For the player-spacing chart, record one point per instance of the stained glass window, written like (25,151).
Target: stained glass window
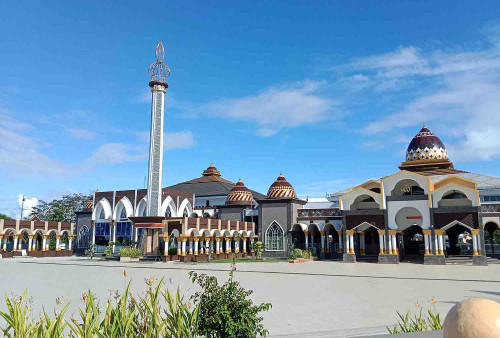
(275,238)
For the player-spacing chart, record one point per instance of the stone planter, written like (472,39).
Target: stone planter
(36,253)
(63,253)
(201,258)
(170,258)
(129,259)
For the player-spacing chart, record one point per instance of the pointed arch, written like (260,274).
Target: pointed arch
(102,206)
(141,207)
(363,226)
(168,205)
(185,205)
(123,204)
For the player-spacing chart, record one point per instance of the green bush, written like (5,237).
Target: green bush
(297,252)
(130,252)
(125,317)
(172,251)
(293,255)
(306,254)
(419,322)
(226,310)
(259,249)
(108,252)
(52,245)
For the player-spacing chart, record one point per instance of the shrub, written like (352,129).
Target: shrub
(306,254)
(226,310)
(418,323)
(259,249)
(130,252)
(293,255)
(172,251)
(90,251)
(52,245)
(297,252)
(108,252)
(125,317)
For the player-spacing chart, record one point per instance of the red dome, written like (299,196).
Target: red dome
(239,195)
(281,188)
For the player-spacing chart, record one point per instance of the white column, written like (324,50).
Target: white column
(33,248)
(190,246)
(30,242)
(245,245)
(93,235)
(70,240)
(307,239)
(474,245)
(389,249)
(394,245)
(436,243)
(351,243)
(347,249)
(195,246)
(382,244)
(217,244)
(440,244)
(236,245)
(44,244)
(322,243)
(183,250)
(426,243)
(15,244)
(165,250)
(58,241)
(340,242)
(5,244)
(113,228)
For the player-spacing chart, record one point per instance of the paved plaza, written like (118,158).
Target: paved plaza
(316,299)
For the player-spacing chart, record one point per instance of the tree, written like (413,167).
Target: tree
(227,310)
(3,216)
(62,210)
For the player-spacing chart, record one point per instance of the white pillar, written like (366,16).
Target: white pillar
(93,234)
(183,250)
(15,244)
(307,239)
(394,245)
(190,246)
(5,243)
(347,249)
(440,244)
(58,243)
(236,245)
(340,242)
(30,242)
(322,243)
(217,246)
(436,243)
(382,244)
(351,243)
(44,244)
(474,245)
(245,245)
(70,240)
(196,246)
(426,243)
(113,228)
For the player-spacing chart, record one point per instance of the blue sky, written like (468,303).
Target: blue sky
(329,93)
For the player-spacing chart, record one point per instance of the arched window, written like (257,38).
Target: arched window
(123,213)
(84,237)
(454,195)
(102,215)
(275,238)
(168,212)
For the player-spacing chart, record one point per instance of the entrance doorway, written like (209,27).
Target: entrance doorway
(413,244)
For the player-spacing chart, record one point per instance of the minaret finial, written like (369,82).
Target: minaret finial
(160,52)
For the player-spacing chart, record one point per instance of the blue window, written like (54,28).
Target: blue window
(123,229)
(102,229)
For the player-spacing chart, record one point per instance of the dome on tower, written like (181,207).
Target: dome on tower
(211,171)
(281,188)
(239,195)
(426,146)
(425,152)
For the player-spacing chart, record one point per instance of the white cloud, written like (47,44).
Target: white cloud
(178,140)
(116,153)
(278,107)
(29,203)
(455,93)
(81,133)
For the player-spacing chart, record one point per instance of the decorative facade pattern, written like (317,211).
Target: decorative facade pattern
(426,146)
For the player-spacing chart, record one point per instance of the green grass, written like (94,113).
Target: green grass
(248,260)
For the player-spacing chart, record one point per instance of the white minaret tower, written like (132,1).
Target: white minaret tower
(159,72)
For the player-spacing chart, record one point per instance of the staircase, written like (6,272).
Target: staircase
(368,258)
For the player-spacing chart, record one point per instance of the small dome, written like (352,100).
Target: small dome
(426,146)
(281,188)
(211,171)
(239,195)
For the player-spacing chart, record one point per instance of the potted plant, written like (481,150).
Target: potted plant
(129,254)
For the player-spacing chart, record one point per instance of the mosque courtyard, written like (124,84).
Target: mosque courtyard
(315,299)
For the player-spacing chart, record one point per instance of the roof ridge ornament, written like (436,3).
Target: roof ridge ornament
(159,70)
(160,52)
